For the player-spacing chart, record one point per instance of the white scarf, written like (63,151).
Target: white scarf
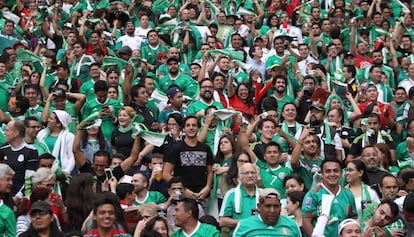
(238,197)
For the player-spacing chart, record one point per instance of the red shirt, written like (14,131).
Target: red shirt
(383,107)
(362,62)
(241,106)
(115,233)
(90,48)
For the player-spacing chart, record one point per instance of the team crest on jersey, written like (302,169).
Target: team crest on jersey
(308,202)
(20,158)
(285,231)
(282,175)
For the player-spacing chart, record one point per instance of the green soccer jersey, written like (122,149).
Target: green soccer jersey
(80,68)
(342,207)
(149,53)
(246,205)
(4,98)
(202,230)
(307,168)
(108,125)
(273,178)
(35,112)
(254,226)
(200,105)
(162,118)
(403,157)
(187,85)
(88,90)
(152,197)
(7,221)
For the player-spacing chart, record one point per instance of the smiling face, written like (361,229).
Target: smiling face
(291,207)
(191,128)
(293,185)
(331,174)
(352,173)
(124,118)
(105,216)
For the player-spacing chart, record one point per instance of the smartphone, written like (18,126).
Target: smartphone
(108,173)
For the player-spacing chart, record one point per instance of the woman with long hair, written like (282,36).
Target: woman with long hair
(174,135)
(352,112)
(81,193)
(289,124)
(294,207)
(158,224)
(59,140)
(121,138)
(93,140)
(357,180)
(241,99)
(232,176)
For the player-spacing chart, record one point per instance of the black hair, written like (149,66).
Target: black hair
(22,103)
(123,189)
(386,176)
(272,143)
(100,85)
(190,205)
(360,166)
(393,207)
(192,117)
(46,156)
(330,160)
(177,117)
(296,196)
(408,205)
(298,179)
(174,180)
(233,171)
(28,119)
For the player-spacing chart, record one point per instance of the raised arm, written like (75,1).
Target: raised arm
(129,76)
(132,159)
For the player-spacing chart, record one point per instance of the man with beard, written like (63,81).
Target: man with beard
(220,65)
(129,39)
(370,137)
(385,214)
(144,196)
(306,159)
(372,162)
(331,145)
(269,222)
(186,84)
(279,85)
(205,99)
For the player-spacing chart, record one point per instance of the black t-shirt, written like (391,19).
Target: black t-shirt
(122,141)
(191,164)
(20,159)
(87,168)
(145,112)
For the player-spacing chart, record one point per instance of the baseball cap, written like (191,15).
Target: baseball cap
(126,50)
(68,25)
(268,193)
(349,54)
(61,64)
(318,106)
(40,206)
(172,91)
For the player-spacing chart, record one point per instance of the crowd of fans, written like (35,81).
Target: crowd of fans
(207,118)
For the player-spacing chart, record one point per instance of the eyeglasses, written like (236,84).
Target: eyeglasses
(39,213)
